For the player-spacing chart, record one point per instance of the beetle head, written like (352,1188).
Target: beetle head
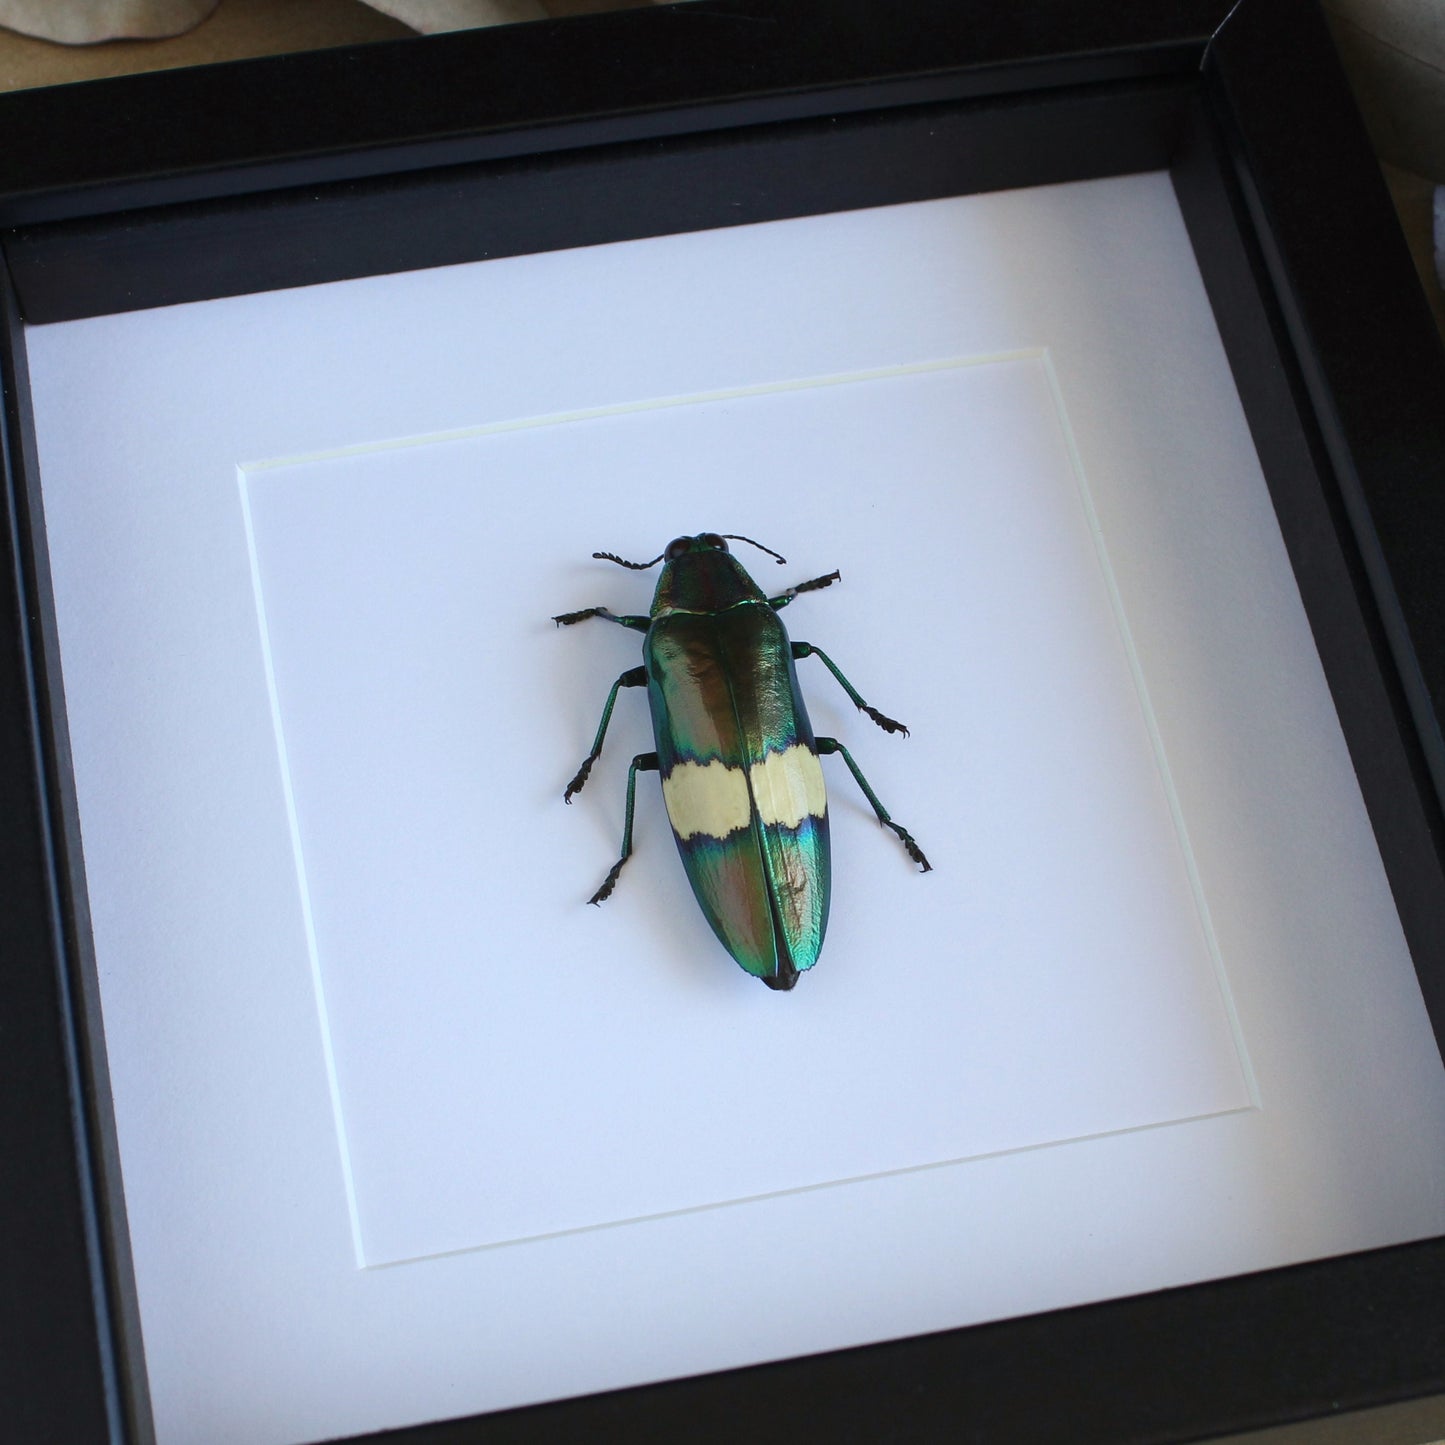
(703,542)
(699,574)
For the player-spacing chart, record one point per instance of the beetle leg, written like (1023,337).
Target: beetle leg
(635,677)
(637,624)
(832,745)
(806,649)
(778,603)
(643,762)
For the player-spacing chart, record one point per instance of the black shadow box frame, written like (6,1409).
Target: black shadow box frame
(179,186)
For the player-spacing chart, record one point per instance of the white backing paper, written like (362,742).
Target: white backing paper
(462,995)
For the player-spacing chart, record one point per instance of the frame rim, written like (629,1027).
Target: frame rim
(371,110)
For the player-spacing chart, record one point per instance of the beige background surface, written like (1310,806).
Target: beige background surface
(1395,50)
(237,29)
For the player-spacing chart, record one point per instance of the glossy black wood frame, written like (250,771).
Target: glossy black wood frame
(184,185)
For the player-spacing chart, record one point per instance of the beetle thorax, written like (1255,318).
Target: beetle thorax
(704,581)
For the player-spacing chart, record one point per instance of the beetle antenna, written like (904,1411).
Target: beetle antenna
(733,537)
(636,566)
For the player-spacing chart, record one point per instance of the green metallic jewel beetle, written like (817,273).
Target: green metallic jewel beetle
(740,773)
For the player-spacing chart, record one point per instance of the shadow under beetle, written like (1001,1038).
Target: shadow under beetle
(740,773)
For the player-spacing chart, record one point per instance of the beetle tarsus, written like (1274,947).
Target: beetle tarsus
(576,785)
(812,585)
(888,724)
(817,582)
(608,883)
(566,619)
(912,848)
(636,624)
